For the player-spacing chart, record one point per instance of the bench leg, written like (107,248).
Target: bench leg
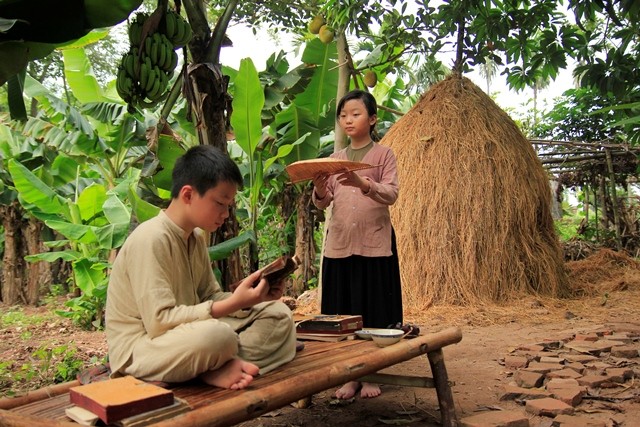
(443,389)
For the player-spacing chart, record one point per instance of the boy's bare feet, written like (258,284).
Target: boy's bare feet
(370,390)
(348,390)
(236,374)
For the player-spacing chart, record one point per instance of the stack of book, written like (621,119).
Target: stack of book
(322,327)
(124,401)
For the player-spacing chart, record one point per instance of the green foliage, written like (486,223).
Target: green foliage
(74,169)
(47,364)
(285,15)
(60,363)
(566,227)
(32,29)
(580,115)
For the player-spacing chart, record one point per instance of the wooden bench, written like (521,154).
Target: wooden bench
(318,367)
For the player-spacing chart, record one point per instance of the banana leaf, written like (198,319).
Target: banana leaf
(35,192)
(226,248)
(33,28)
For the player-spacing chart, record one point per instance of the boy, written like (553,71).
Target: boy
(167,318)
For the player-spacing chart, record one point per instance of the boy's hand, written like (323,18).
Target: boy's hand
(249,291)
(246,295)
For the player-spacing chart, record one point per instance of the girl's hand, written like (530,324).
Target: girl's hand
(352,179)
(320,184)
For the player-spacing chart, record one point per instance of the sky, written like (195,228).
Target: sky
(260,47)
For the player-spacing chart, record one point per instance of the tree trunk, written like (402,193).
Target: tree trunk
(305,243)
(13,261)
(38,273)
(344,76)
(22,281)
(211,111)
(603,203)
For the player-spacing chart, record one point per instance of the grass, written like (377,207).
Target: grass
(16,317)
(35,352)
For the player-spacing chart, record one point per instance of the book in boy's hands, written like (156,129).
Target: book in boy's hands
(275,271)
(280,269)
(115,399)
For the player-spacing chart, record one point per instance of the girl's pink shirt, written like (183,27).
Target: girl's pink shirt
(360,222)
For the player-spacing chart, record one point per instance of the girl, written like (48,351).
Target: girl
(360,272)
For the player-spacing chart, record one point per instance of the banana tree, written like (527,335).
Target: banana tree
(73,168)
(248,103)
(21,231)
(94,222)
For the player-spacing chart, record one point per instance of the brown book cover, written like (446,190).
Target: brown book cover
(306,169)
(328,324)
(275,271)
(115,399)
(281,268)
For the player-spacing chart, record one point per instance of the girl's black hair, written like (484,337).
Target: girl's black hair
(203,167)
(369,103)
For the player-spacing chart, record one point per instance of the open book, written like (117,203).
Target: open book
(280,269)
(275,271)
(306,169)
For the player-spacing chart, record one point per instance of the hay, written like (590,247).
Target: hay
(577,249)
(473,217)
(604,286)
(603,272)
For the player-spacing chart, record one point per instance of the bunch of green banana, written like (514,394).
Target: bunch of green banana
(153,80)
(177,29)
(125,85)
(131,63)
(135,28)
(145,70)
(158,47)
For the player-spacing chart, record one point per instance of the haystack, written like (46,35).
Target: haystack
(473,219)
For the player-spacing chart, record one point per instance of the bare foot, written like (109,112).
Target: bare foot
(236,374)
(370,390)
(348,390)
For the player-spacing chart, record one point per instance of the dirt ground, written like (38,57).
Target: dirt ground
(476,368)
(475,365)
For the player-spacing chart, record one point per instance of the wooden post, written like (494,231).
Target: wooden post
(614,198)
(443,389)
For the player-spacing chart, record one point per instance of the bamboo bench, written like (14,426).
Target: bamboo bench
(318,367)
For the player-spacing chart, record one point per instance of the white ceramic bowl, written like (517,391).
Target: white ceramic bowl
(364,334)
(385,337)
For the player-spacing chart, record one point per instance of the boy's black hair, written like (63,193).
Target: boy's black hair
(369,103)
(203,167)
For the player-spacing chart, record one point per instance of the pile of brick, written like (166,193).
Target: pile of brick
(560,379)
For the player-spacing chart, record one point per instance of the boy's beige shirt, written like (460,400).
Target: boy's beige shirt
(159,281)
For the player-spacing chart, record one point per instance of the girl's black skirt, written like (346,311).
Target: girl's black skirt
(369,286)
